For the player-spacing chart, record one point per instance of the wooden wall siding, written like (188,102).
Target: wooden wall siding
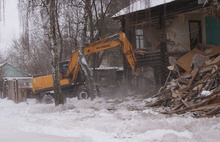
(106,77)
(14,92)
(152,59)
(17,90)
(158,60)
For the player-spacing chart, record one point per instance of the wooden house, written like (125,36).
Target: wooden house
(164,30)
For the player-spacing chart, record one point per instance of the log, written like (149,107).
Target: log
(205,108)
(194,72)
(185,103)
(214,111)
(193,106)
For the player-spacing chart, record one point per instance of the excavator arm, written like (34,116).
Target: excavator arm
(101,45)
(77,59)
(73,66)
(107,43)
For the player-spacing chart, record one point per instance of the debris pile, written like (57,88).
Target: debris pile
(193,84)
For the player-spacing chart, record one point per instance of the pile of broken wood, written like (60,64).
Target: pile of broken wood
(193,84)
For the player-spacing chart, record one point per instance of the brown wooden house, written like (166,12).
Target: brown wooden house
(162,29)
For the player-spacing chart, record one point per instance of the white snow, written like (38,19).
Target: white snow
(206,93)
(101,67)
(100,120)
(141,5)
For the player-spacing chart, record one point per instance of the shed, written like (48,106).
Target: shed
(15,83)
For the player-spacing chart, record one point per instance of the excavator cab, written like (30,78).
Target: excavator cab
(80,78)
(63,66)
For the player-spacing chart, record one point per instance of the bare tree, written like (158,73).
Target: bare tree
(1,80)
(78,23)
(43,15)
(55,53)
(51,33)
(100,24)
(2,10)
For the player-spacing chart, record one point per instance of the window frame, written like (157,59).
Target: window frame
(139,37)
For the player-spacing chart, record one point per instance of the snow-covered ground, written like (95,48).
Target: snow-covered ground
(100,121)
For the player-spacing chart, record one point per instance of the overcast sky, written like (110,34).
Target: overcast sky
(9,29)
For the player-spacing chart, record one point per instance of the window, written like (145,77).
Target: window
(139,38)
(195,33)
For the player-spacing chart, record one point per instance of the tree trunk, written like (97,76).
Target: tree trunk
(55,53)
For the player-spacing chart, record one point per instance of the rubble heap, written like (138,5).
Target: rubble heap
(196,88)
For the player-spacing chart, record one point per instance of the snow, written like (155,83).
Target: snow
(141,5)
(100,120)
(206,93)
(110,68)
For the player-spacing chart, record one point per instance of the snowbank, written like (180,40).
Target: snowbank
(100,121)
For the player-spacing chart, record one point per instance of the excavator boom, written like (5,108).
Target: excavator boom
(104,44)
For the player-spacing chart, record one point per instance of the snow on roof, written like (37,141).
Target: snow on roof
(141,5)
(109,68)
(19,70)
(17,78)
(2,64)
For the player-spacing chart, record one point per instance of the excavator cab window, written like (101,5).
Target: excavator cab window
(63,66)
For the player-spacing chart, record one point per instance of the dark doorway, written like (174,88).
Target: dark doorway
(195,33)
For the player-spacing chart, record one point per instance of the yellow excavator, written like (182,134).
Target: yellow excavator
(76,77)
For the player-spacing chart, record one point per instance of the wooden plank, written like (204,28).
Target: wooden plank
(207,107)
(185,103)
(217,100)
(212,50)
(194,73)
(214,111)
(186,60)
(202,103)
(214,61)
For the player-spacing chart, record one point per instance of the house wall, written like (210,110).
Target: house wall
(178,30)
(152,35)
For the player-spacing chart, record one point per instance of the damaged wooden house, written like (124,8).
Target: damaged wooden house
(163,31)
